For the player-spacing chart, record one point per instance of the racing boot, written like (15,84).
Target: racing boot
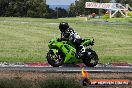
(80,52)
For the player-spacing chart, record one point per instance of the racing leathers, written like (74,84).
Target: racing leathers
(72,36)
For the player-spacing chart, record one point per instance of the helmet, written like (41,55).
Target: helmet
(63,26)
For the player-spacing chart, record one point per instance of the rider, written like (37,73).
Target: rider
(68,34)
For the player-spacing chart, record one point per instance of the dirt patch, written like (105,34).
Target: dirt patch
(41,75)
(36,76)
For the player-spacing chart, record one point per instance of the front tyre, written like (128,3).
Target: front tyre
(91,58)
(55,60)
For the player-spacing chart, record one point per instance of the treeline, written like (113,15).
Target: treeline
(29,8)
(38,8)
(57,13)
(22,8)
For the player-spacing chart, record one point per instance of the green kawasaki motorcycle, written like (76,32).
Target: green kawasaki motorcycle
(64,52)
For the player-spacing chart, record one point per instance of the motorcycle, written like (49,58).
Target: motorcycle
(64,52)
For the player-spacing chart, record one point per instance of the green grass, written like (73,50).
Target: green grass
(45,83)
(120,20)
(60,83)
(25,39)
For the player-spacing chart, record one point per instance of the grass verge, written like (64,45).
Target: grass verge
(48,83)
(26,39)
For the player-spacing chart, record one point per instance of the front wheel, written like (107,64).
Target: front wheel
(55,60)
(91,58)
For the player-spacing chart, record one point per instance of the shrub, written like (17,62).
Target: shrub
(46,83)
(130,13)
(59,83)
(106,16)
(15,83)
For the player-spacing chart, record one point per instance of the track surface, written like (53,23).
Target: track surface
(45,67)
(69,69)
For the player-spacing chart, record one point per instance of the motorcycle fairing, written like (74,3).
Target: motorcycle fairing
(68,51)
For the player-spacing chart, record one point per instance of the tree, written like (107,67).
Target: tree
(80,7)
(61,12)
(72,10)
(30,8)
(50,13)
(36,8)
(125,2)
(3,6)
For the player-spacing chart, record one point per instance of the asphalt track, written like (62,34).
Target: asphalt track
(69,69)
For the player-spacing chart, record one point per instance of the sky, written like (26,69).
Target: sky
(59,2)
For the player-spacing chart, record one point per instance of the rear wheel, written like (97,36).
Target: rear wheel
(91,59)
(55,60)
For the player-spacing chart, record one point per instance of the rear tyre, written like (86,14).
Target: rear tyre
(91,59)
(55,60)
